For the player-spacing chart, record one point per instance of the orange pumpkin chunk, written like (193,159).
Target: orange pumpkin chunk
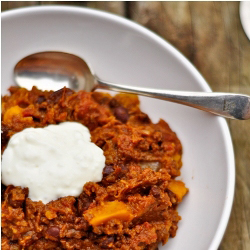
(15,110)
(107,211)
(178,188)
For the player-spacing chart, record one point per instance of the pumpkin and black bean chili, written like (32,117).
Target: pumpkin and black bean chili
(134,206)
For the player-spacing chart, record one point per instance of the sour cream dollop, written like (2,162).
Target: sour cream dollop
(53,162)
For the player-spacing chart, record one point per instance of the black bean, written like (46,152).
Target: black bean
(53,231)
(83,202)
(4,135)
(57,95)
(106,243)
(23,105)
(113,103)
(40,99)
(108,169)
(13,242)
(121,114)
(36,119)
(156,192)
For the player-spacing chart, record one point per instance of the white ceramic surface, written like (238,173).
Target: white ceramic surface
(124,52)
(245,16)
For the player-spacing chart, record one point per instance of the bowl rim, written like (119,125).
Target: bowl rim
(230,189)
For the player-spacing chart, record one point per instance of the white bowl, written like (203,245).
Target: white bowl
(124,52)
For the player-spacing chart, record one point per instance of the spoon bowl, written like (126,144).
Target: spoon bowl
(53,70)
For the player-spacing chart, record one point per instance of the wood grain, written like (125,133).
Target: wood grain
(210,35)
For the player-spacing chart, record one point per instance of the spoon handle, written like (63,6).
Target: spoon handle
(234,106)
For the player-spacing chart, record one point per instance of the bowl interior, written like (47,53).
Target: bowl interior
(123,52)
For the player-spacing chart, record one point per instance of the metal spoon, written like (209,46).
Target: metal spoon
(54,70)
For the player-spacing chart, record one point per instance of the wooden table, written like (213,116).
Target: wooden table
(210,35)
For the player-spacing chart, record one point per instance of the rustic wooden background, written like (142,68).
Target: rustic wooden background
(210,35)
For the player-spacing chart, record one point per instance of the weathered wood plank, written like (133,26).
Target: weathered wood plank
(7,5)
(167,19)
(109,6)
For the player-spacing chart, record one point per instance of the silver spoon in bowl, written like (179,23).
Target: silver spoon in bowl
(53,70)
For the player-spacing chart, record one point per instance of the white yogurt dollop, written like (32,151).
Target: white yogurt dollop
(53,162)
